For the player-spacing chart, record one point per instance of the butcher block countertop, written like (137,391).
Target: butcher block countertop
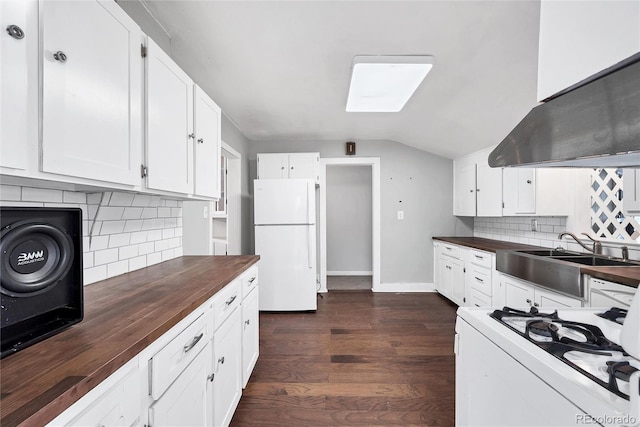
(122,316)
(629,276)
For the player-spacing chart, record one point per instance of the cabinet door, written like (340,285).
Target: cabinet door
(519,191)
(91,109)
(273,166)
(545,298)
(445,286)
(250,335)
(186,402)
(517,294)
(169,121)
(208,144)
(304,166)
(227,385)
(457,281)
(631,190)
(14,81)
(465,188)
(489,191)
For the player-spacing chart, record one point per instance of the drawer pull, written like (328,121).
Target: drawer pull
(479,257)
(231,300)
(193,342)
(448,248)
(479,279)
(252,279)
(221,360)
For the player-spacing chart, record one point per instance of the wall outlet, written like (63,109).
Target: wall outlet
(400,214)
(534,225)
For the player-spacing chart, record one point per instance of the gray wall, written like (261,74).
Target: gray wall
(417,182)
(349,219)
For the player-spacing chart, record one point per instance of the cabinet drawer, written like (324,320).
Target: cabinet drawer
(480,279)
(225,301)
(169,362)
(249,281)
(478,299)
(451,250)
(481,258)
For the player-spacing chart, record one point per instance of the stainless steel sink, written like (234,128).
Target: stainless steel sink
(553,269)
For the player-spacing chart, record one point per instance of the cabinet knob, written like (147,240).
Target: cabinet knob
(291,167)
(535,304)
(60,56)
(200,141)
(528,181)
(221,360)
(246,322)
(15,32)
(528,301)
(192,135)
(282,168)
(471,191)
(211,377)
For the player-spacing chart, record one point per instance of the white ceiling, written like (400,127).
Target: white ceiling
(280,70)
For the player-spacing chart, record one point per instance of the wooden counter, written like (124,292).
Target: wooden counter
(122,316)
(629,276)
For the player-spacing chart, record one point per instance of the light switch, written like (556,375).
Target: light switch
(400,214)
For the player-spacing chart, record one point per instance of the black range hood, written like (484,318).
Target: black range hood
(595,123)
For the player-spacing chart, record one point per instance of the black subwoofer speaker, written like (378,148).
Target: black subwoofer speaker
(40,274)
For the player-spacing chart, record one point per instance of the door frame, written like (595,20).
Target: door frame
(233,210)
(374,162)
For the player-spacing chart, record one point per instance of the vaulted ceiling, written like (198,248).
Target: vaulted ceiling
(280,70)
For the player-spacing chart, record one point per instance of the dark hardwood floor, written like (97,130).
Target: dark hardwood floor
(374,359)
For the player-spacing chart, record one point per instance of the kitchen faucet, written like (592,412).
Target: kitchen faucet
(597,246)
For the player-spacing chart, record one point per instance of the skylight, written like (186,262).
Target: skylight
(384,84)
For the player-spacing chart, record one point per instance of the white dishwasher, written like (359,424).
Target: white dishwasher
(603,293)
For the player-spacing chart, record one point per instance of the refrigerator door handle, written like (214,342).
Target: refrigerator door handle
(309,240)
(308,203)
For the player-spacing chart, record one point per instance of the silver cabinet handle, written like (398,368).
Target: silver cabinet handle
(15,32)
(193,342)
(479,257)
(230,300)
(60,56)
(479,279)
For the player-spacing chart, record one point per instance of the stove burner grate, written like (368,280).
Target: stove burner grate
(614,314)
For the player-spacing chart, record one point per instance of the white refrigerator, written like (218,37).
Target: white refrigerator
(285,239)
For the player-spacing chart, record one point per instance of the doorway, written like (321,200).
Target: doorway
(349,224)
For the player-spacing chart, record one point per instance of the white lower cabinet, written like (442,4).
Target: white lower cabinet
(186,401)
(191,376)
(451,272)
(521,294)
(227,384)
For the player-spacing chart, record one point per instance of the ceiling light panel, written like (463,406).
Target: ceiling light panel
(385,83)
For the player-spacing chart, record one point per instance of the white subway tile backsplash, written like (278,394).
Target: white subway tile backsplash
(30,194)
(118,240)
(518,229)
(121,199)
(112,227)
(105,256)
(10,192)
(117,268)
(137,263)
(110,213)
(122,231)
(74,197)
(94,274)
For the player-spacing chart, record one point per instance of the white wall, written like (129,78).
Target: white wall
(122,232)
(349,219)
(412,180)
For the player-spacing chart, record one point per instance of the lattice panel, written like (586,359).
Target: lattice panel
(607,218)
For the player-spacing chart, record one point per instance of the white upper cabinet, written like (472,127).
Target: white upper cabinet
(542,191)
(580,38)
(17,36)
(91,106)
(289,166)
(631,190)
(207,128)
(477,187)
(519,191)
(169,123)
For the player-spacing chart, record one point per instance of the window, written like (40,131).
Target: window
(608,220)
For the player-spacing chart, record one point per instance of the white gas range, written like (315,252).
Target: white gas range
(546,368)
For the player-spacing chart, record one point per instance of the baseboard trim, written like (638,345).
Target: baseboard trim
(404,287)
(349,273)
